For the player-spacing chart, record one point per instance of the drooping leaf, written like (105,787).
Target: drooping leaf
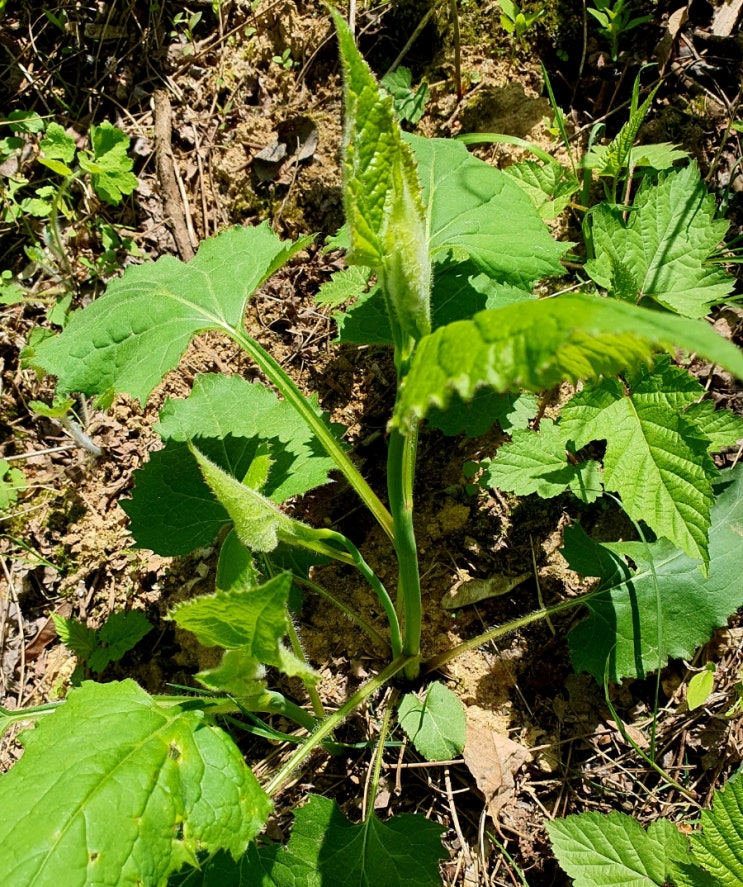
(382,197)
(656,459)
(239,675)
(598,849)
(539,463)
(172,509)
(535,345)
(325,848)
(436,724)
(665,244)
(549,186)
(128,339)
(483,214)
(717,844)
(622,628)
(117,789)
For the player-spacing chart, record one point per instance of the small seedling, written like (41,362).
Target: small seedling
(516,22)
(284,60)
(615,19)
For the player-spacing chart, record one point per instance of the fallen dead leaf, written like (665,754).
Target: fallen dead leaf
(493,760)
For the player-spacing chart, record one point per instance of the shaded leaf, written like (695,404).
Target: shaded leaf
(717,845)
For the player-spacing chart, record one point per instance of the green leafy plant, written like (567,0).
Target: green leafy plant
(516,22)
(410,104)
(596,849)
(99,647)
(615,19)
(284,60)
(445,252)
(12,482)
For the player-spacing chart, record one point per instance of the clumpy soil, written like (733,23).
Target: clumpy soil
(255,95)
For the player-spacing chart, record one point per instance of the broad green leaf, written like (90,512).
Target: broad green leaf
(326,849)
(436,724)
(622,628)
(119,633)
(76,636)
(128,339)
(12,482)
(117,789)
(482,213)
(382,197)
(723,428)
(598,850)
(718,845)
(348,283)
(57,144)
(239,675)
(172,509)
(656,459)
(536,345)
(665,243)
(539,463)
(549,186)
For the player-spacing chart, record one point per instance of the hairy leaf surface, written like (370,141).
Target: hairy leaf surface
(536,345)
(117,789)
(664,244)
(717,845)
(129,338)
(598,849)
(622,628)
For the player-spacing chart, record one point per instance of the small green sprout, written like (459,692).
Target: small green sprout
(615,18)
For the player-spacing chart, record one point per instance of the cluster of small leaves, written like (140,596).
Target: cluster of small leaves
(98,647)
(596,849)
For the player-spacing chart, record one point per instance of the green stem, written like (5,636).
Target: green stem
(332,446)
(370,576)
(400,475)
(334,720)
(378,756)
(298,651)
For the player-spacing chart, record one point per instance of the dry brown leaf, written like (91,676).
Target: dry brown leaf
(493,759)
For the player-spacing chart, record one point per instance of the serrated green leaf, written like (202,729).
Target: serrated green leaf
(622,628)
(409,104)
(325,848)
(579,337)
(660,156)
(656,459)
(549,186)
(538,463)
(510,411)
(382,197)
(119,633)
(598,850)
(239,675)
(723,428)
(666,242)
(118,789)
(718,845)
(112,171)
(57,144)
(128,339)
(436,724)
(348,283)
(481,212)
(76,635)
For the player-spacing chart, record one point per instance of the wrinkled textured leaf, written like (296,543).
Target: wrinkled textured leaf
(510,411)
(382,196)
(326,849)
(58,144)
(348,283)
(117,789)
(580,337)
(622,628)
(656,459)
(664,244)
(436,724)
(598,850)
(717,845)
(128,339)
(172,509)
(111,167)
(481,212)
(660,155)
(549,186)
